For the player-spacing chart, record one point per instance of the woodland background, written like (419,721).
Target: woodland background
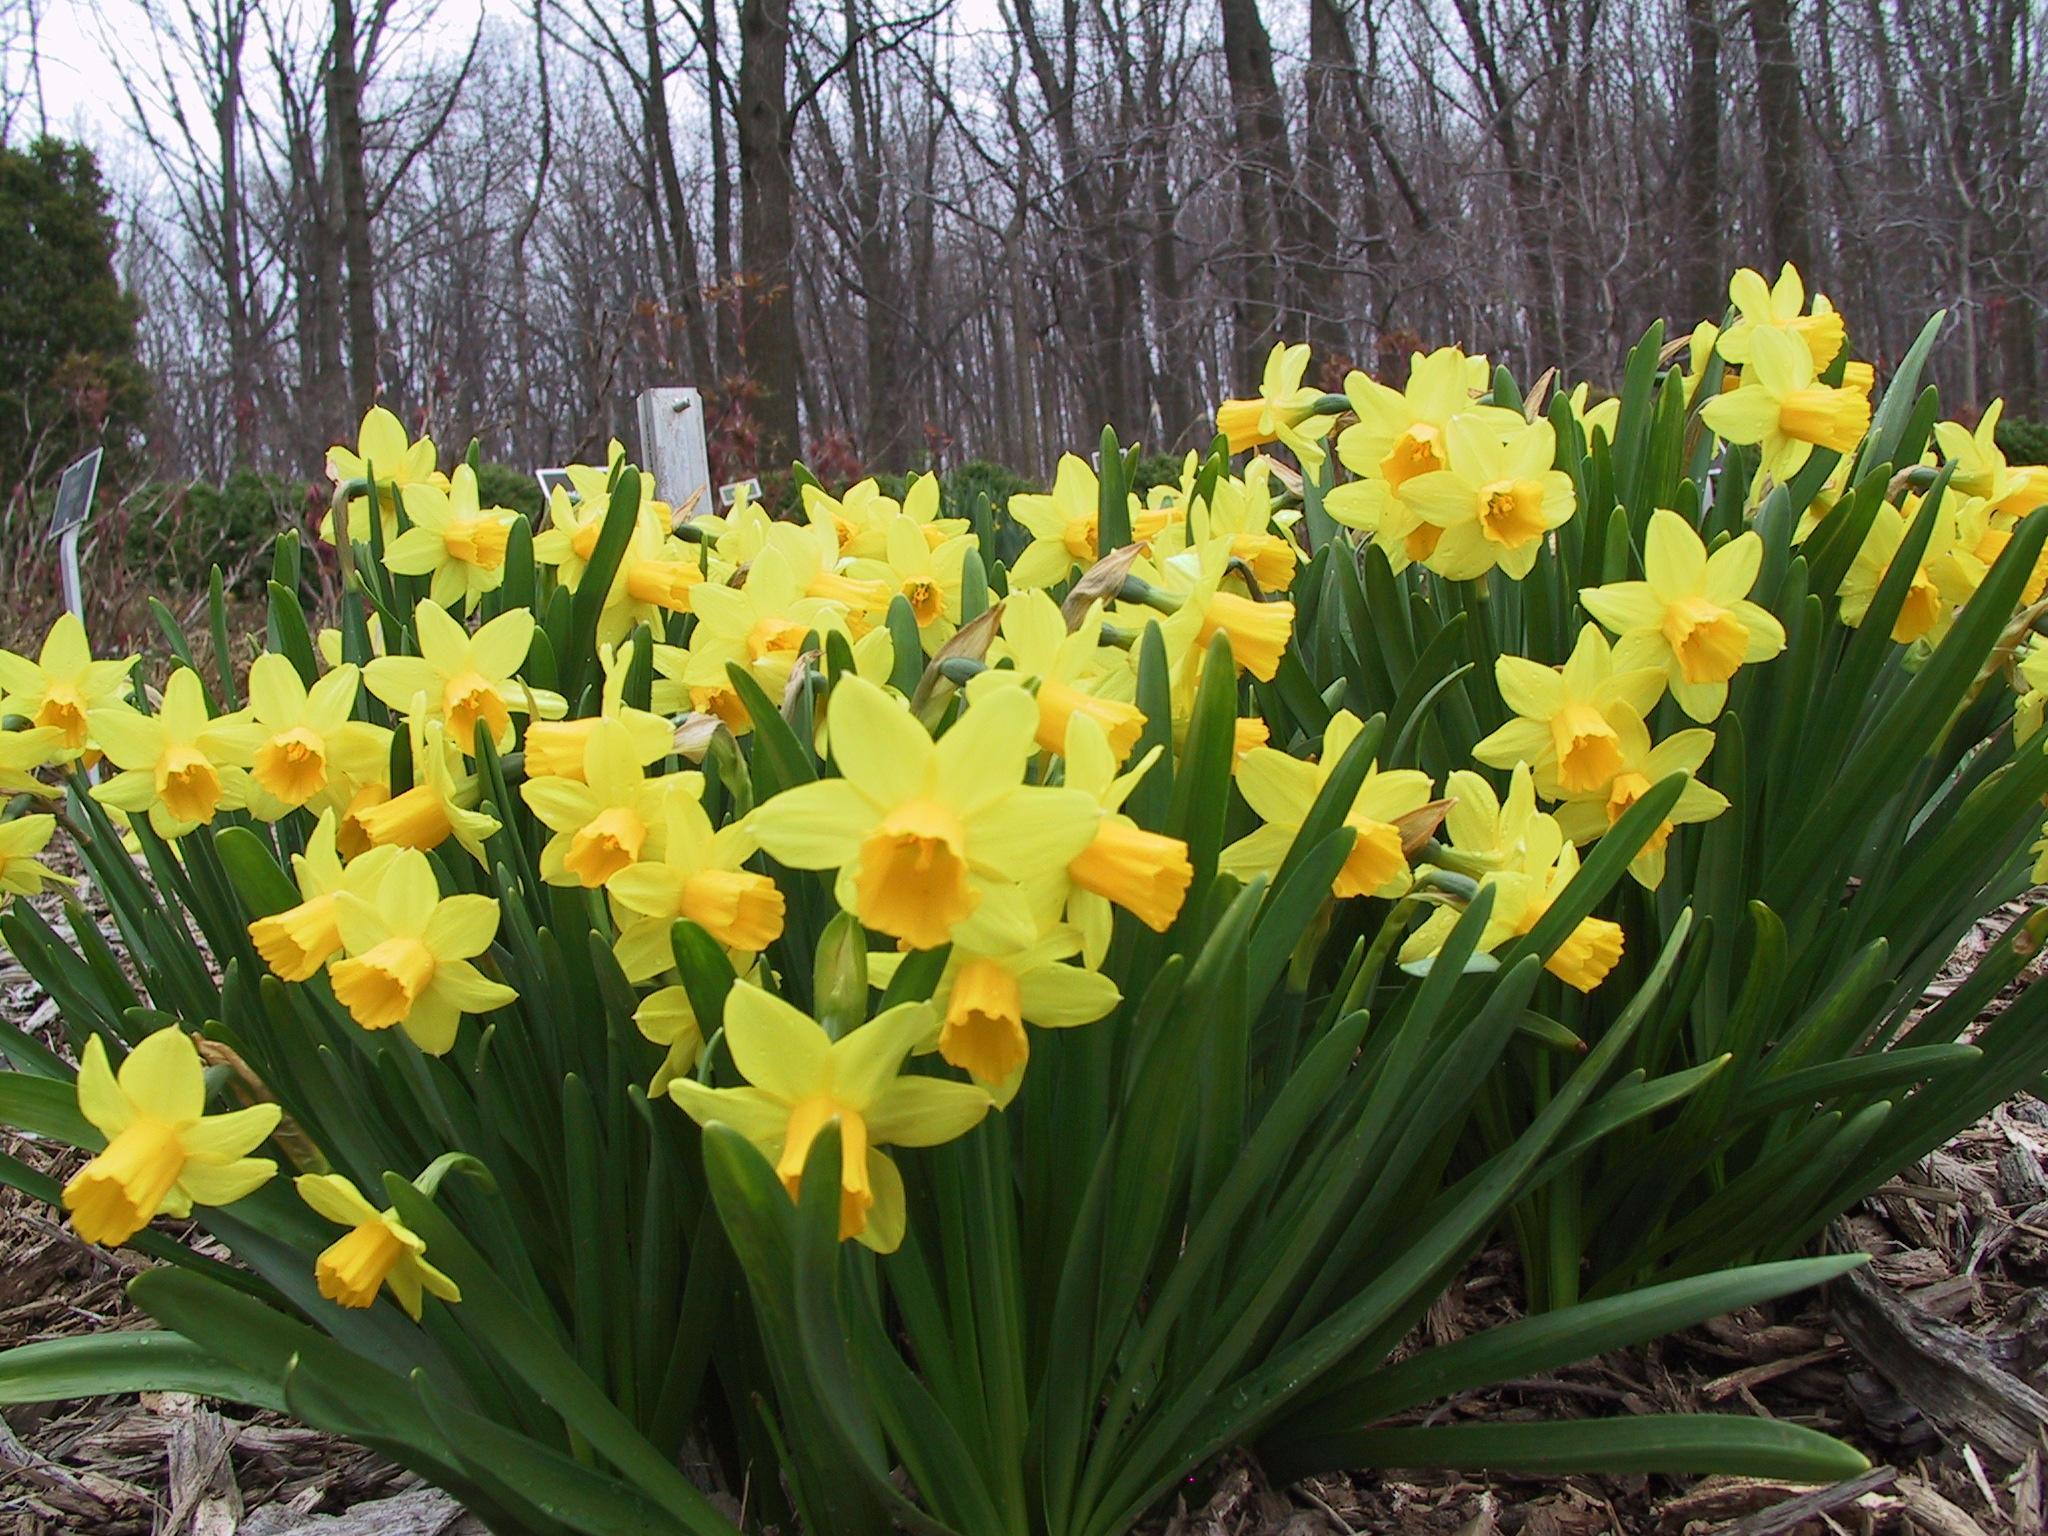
(890,233)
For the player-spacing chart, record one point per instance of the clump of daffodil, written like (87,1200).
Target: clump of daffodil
(860,519)
(800,1080)
(379,1250)
(1779,406)
(1286,411)
(1780,306)
(409,953)
(299,941)
(1282,789)
(1203,592)
(1567,723)
(442,802)
(1495,501)
(22,873)
(181,765)
(466,680)
(692,871)
(1070,671)
(1586,817)
(164,1152)
(309,753)
(607,817)
(1064,525)
(1925,613)
(931,839)
(1146,873)
(760,627)
(577,511)
(384,454)
(985,1000)
(1521,854)
(455,540)
(1691,615)
(64,689)
(1240,510)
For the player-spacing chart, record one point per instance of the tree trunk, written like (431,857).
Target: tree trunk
(1699,266)
(686,295)
(768,334)
(1786,215)
(345,116)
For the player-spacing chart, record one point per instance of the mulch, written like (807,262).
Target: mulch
(1934,1362)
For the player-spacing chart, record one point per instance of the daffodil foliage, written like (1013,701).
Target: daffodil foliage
(808,1008)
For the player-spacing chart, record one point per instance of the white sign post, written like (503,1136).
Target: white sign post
(74,502)
(672,447)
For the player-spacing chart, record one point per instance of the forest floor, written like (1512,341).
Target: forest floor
(1933,1361)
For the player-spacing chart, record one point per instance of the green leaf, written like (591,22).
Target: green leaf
(102,1363)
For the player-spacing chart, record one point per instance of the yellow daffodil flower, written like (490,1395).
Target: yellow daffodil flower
(21,872)
(576,514)
(1566,726)
(1201,586)
(1064,525)
(1925,614)
(1403,433)
(1282,789)
(399,466)
(1494,502)
(180,764)
(1069,670)
(1781,306)
(297,942)
(607,817)
(1284,411)
(23,754)
(441,803)
(1779,406)
(760,626)
(926,576)
(666,1018)
(931,839)
(1594,418)
(800,1080)
(466,680)
(1691,616)
(64,688)
(379,1250)
(556,748)
(1587,817)
(696,874)
(309,752)
(1145,873)
(984,1002)
(453,539)
(164,1152)
(409,953)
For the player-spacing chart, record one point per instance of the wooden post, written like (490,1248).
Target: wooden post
(672,448)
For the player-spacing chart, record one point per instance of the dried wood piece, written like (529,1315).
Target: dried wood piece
(421,1512)
(1789,1515)
(1942,1370)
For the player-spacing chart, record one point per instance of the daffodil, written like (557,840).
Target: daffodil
(1067,669)
(577,512)
(21,839)
(1779,406)
(308,751)
(441,803)
(379,1250)
(666,1018)
(1146,873)
(384,453)
(1284,412)
(23,754)
(984,1002)
(931,839)
(1566,724)
(297,942)
(696,874)
(164,1152)
(1522,856)
(1241,511)
(800,1080)
(454,539)
(1494,502)
(409,955)
(64,688)
(1586,817)
(180,764)
(608,816)
(1064,525)
(1403,433)
(1603,417)
(1781,306)
(1692,615)
(926,576)
(760,626)
(1282,789)
(466,680)
(1203,590)
(1925,613)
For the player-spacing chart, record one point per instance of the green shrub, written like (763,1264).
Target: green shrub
(2023,442)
